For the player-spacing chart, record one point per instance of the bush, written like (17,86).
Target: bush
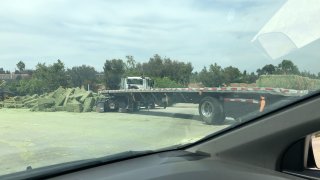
(166,83)
(288,82)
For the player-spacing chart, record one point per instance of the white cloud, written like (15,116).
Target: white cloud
(88,32)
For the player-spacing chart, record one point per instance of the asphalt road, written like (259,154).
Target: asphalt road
(40,139)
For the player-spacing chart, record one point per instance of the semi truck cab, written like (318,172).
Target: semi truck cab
(136,83)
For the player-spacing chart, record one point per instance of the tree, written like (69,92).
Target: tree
(213,77)
(252,78)
(204,77)
(194,78)
(154,67)
(21,66)
(51,77)
(308,74)
(32,86)
(287,67)
(180,72)
(267,70)
(113,71)
(2,71)
(131,63)
(232,75)
(131,67)
(248,78)
(82,75)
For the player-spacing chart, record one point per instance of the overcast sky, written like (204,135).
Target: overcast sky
(89,32)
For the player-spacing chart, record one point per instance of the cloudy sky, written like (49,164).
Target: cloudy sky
(89,32)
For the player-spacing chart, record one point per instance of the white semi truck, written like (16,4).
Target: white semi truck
(136,83)
(215,103)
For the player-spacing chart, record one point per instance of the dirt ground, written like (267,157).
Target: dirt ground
(41,138)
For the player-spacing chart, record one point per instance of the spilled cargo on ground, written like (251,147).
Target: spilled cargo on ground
(62,99)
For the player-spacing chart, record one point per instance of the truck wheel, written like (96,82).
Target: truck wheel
(136,107)
(122,107)
(211,111)
(100,107)
(152,105)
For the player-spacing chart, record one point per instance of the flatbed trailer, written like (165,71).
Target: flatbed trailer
(214,103)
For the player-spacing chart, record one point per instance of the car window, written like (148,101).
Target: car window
(83,80)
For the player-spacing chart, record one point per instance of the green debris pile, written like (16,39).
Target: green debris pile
(70,100)
(288,82)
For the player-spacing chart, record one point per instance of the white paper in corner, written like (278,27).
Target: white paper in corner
(295,25)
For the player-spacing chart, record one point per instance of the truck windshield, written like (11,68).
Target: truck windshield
(135,81)
(70,86)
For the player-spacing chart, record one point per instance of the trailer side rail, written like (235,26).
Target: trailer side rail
(262,90)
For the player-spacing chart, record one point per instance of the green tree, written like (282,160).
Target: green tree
(252,78)
(131,63)
(21,66)
(232,75)
(287,67)
(131,68)
(51,77)
(154,67)
(267,70)
(308,74)
(213,77)
(82,76)
(30,86)
(2,71)
(180,72)
(194,78)
(113,71)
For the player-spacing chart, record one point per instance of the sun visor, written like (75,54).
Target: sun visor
(295,25)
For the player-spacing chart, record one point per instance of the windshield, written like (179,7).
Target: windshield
(212,65)
(135,81)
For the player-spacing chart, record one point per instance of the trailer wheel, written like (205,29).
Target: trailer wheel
(152,105)
(211,111)
(136,107)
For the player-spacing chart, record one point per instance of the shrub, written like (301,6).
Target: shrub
(166,83)
(288,82)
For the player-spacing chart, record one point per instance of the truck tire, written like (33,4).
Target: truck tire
(100,107)
(135,107)
(152,105)
(122,106)
(211,111)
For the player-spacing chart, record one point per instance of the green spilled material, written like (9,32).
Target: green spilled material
(9,105)
(85,96)
(74,107)
(70,99)
(45,103)
(60,108)
(88,104)
(288,82)
(69,92)
(34,108)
